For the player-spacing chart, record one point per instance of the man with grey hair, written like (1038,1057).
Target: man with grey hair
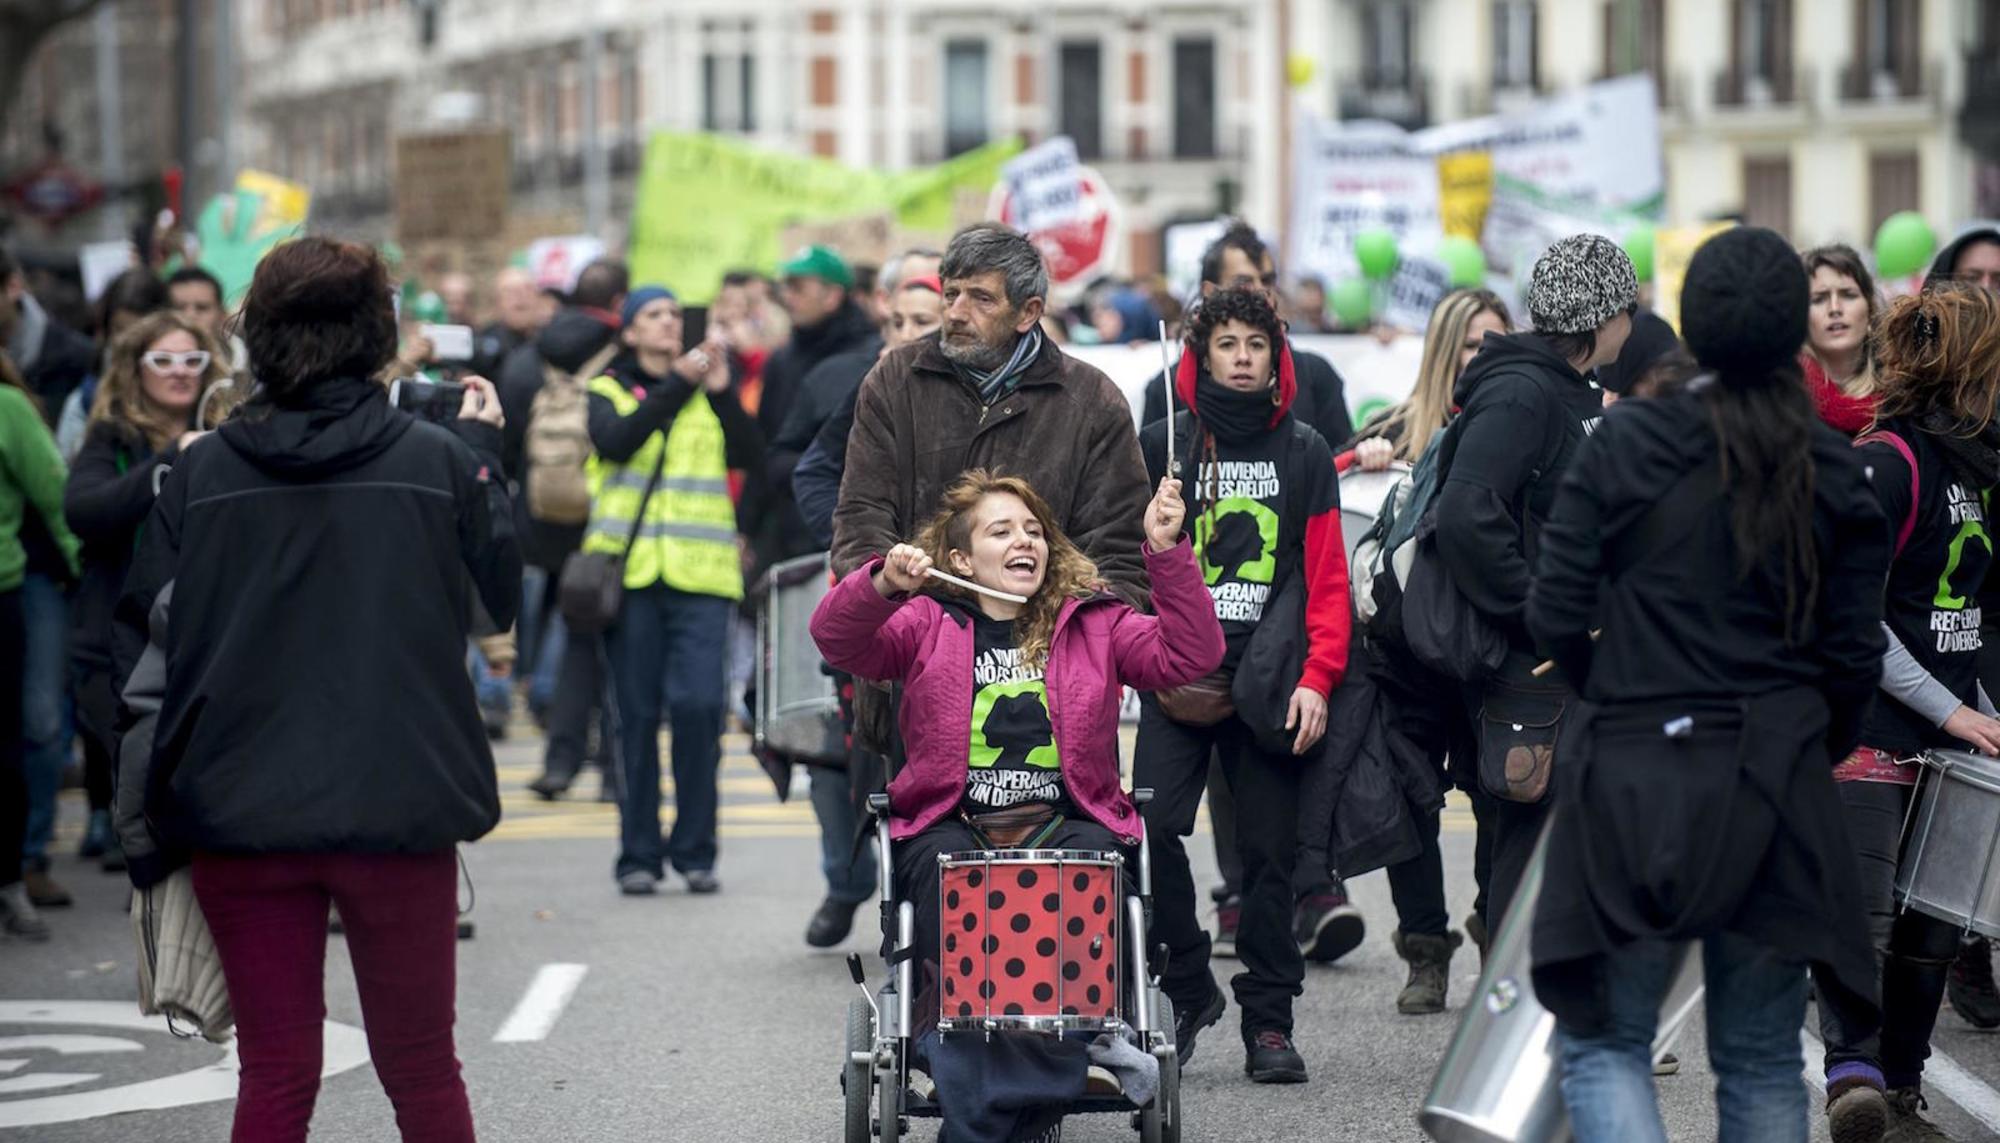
(989,391)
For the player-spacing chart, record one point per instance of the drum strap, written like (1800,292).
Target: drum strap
(1022,827)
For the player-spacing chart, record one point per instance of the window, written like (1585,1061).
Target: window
(1767,192)
(1760,62)
(1194,98)
(1079,95)
(1635,38)
(1892,185)
(1385,39)
(965,92)
(1886,44)
(1514,44)
(729,78)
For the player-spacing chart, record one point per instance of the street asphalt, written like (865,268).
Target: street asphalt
(707,1018)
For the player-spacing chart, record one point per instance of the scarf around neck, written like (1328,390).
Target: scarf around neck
(1232,416)
(994,384)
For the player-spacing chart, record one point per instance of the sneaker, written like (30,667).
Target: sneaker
(548,787)
(1856,1111)
(638,883)
(1228,915)
(113,860)
(1269,1057)
(44,892)
(96,835)
(703,881)
(1905,1124)
(17,914)
(1970,987)
(1189,1021)
(831,923)
(1429,958)
(1667,1065)
(1327,926)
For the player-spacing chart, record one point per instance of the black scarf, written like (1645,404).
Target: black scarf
(1232,416)
(1975,460)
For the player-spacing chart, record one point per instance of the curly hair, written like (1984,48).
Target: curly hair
(121,395)
(1250,307)
(1939,351)
(1070,573)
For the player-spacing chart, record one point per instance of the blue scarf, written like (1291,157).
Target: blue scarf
(995,384)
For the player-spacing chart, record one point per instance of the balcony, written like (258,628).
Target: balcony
(1979,119)
(1400,99)
(1905,83)
(1736,89)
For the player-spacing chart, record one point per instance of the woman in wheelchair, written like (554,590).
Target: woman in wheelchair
(1009,718)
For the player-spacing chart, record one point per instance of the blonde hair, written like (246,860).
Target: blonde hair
(1070,573)
(1429,407)
(121,394)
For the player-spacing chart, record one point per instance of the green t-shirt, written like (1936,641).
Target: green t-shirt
(1012,759)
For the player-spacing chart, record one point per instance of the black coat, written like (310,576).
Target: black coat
(1694,789)
(324,562)
(107,500)
(779,531)
(66,357)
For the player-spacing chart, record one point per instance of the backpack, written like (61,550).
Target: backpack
(1379,571)
(556,447)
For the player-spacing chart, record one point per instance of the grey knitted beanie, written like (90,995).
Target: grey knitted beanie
(1579,284)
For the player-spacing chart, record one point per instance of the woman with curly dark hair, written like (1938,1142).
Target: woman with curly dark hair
(1265,507)
(319,742)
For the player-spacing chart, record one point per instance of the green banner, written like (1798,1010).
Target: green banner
(708,204)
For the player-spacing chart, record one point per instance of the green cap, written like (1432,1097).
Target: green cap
(818,262)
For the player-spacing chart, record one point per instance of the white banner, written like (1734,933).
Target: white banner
(1352,177)
(1599,144)
(1044,184)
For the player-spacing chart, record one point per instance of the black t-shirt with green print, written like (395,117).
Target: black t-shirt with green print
(1932,598)
(1012,757)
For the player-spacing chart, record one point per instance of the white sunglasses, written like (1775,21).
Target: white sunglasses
(160,360)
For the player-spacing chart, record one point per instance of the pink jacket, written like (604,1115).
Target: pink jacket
(1100,643)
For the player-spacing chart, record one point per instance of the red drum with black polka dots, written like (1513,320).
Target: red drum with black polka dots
(1030,940)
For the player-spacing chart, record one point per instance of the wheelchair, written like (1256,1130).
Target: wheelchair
(881,1099)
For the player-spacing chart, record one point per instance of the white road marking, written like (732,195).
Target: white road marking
(68,1045)
(43,1081)
(542,1005)
(1942,1076)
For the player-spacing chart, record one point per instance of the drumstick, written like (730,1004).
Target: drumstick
(967,584)
(1167,382)
(1547,665)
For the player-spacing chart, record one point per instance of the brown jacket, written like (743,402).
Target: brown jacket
(1067,430)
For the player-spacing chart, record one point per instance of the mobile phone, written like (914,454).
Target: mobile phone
(449,342)
(435,401)
(694,326)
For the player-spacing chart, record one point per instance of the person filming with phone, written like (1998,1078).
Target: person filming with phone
(318,741)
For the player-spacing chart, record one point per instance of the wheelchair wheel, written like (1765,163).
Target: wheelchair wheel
(1160,1121)
(857,1079)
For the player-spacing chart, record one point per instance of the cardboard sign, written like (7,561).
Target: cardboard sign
(452,185)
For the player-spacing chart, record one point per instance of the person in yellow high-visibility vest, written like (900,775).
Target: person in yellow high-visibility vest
(670,420)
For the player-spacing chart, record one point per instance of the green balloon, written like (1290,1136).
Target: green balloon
(1353,302)
(1904,244)
(1376,251)
(1466,261)
(1639,248)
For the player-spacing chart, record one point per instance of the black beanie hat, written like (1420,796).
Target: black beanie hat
(1744,301)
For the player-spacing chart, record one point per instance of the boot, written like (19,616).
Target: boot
(1905,1124)
(1856,1111)
(1970,988)
(1429,958)
(17,914)
(1475,927)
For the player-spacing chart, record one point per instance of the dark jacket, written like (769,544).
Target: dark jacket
(1694,791)
(568,342)
(779,531)
(316,698)
(1946,263)
(828,389)
(846,330)
(492,346)
(1321,401)
(58,361)
(1523,412)
(107,501)
(1067,430)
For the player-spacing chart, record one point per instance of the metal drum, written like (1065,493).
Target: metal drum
(798,705)
(1952,841)
(1500,1080)
(1361,497)
(1029,940)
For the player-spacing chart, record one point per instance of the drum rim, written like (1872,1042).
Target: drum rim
(1965,767)
(1030,857)
(1110,1023)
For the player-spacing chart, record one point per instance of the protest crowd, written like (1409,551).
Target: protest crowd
(1690,613)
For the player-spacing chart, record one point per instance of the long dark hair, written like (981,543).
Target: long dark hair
(1764,425)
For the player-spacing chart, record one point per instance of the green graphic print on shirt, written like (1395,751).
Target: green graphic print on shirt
(1012,757)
